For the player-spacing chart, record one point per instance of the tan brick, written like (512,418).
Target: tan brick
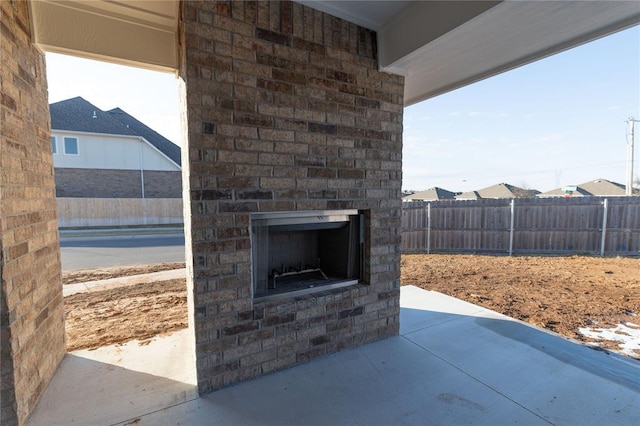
(310,312)
(31,270)
(292,148)
(276,159)
(276,183)
(276,135)
(253,170)
(254,145)
(275,111)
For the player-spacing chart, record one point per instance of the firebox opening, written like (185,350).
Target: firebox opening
(303,251)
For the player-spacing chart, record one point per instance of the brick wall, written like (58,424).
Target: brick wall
(107,183)
(31,312)
(286,111)
(162,184)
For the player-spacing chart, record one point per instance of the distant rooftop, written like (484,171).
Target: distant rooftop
(431,194)
(594,188)
(501,190)
(78,115)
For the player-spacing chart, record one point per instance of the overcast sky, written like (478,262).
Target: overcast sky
(556,122)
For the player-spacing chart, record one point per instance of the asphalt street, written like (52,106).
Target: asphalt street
(109,251)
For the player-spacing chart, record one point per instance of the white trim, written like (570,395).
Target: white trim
(54,145)
(152,146)
(80,132)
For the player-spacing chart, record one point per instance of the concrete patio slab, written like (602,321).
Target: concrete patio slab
(454,363)
(115,383)
(558,379)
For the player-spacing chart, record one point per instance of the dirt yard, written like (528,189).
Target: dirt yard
(119,315)
(560,294)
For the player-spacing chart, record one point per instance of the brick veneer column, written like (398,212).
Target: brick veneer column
(31,312)
(286,110)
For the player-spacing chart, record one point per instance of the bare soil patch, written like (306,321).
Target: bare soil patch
(108,317)
(560,294)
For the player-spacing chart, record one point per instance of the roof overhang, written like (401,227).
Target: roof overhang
(477,40)
(438,46)
(141,33)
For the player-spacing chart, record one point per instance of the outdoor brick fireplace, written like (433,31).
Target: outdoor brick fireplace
(293,170)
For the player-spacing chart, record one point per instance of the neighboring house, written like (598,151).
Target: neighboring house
(469,195)
(431,194)
(110,154)
(594,188)
(501,190)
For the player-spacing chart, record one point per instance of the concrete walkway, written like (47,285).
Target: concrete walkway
(125,232)
(111,283)
(454,363)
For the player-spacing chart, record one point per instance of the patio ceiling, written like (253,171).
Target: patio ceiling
(140,33)
(438,46)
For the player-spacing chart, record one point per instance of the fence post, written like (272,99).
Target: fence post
(513,208)
(429,228)
(604,226)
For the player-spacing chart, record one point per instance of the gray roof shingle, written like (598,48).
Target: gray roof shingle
(597,188)
(77,114)
(501,190)
(431,194)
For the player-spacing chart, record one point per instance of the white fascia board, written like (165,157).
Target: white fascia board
(334,9)
(152,146)
(422,23)
(79,132)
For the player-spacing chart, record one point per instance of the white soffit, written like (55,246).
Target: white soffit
(507,35)
(140,33)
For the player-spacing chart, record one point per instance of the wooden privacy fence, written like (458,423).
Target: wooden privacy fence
(93,212)
(592,225)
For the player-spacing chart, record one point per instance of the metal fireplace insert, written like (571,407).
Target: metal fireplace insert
(298,252)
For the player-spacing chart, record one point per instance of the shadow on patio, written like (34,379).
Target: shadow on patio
(453,363)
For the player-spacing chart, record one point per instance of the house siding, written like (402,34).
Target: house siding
(110,152)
